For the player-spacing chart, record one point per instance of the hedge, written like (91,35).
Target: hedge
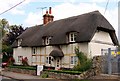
(23,67)
(64,71)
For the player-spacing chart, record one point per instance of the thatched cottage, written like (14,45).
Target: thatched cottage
(53,43)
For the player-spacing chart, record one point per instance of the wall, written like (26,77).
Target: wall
(69,50)
(25,52)
(42,52)
(101,40)
(102,37)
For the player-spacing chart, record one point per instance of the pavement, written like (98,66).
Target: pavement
(24,77)
(19,75)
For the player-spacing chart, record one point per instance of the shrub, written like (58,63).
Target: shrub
(84,63)
(64,71)
(45,75)
(25,61)
(11,61)
(23,67)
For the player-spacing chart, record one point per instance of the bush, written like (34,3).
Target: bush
(23,67)
(11,61)
(64,71)
(45,75)
(25,61)
(84,63)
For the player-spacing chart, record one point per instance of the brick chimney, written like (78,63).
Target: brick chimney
(48,17)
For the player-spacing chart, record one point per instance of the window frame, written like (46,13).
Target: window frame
(47,40)
(34,50)
(73,60)
(48,59)
(20,59)
(72,36)
(19,42)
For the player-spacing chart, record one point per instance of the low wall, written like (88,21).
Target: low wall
(24,71)
(95,70)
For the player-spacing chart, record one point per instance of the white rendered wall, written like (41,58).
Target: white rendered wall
(22,51)
(101,40)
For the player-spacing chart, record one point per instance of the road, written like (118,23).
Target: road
(3,78)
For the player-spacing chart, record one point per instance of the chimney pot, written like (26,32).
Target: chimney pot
(50,10)
(48,17)
(46,12)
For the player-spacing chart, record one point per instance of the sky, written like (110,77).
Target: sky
(30,12)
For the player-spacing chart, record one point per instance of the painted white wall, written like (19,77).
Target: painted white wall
(69,50)
(103,37)
(22,51)
(95,48)
(101,40)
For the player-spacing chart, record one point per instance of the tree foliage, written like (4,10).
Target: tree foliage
(8,34)
(3,27)
(14,32)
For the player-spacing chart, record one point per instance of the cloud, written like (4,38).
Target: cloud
(65,10)
(112,17)
(18,12)
(7,4)
(69,9)
(33,19)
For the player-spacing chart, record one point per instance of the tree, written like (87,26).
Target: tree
(8,39)
(4,25)
(14,32)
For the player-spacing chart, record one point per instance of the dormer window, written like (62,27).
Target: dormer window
(19,42)
(47,40)
(72,36)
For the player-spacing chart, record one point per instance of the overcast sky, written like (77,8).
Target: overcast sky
(29,13)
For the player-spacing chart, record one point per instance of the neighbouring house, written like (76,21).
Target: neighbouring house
(53,43)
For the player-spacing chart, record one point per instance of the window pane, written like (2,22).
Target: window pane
(49,60)
(71,59)
(34,50)
(75,59)
(20,58)
(46,59)
(75,36)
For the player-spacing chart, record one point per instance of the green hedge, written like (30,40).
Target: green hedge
(63,71)
(23,67)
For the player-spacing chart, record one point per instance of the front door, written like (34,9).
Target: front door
(57,63)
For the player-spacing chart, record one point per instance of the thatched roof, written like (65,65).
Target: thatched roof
(56,52)
(85,25)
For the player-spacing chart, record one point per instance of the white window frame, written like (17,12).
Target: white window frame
(47,40)
(20,59)
(74,60)
(48,59)
(34,50)
(19,42)
(72,37)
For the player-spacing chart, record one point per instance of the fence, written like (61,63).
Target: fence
(110,61)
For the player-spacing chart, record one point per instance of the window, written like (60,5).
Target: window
(20,58)
(47,40)
(34,50)
(74,60)
(48,59)
(72,37)
(19,42)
